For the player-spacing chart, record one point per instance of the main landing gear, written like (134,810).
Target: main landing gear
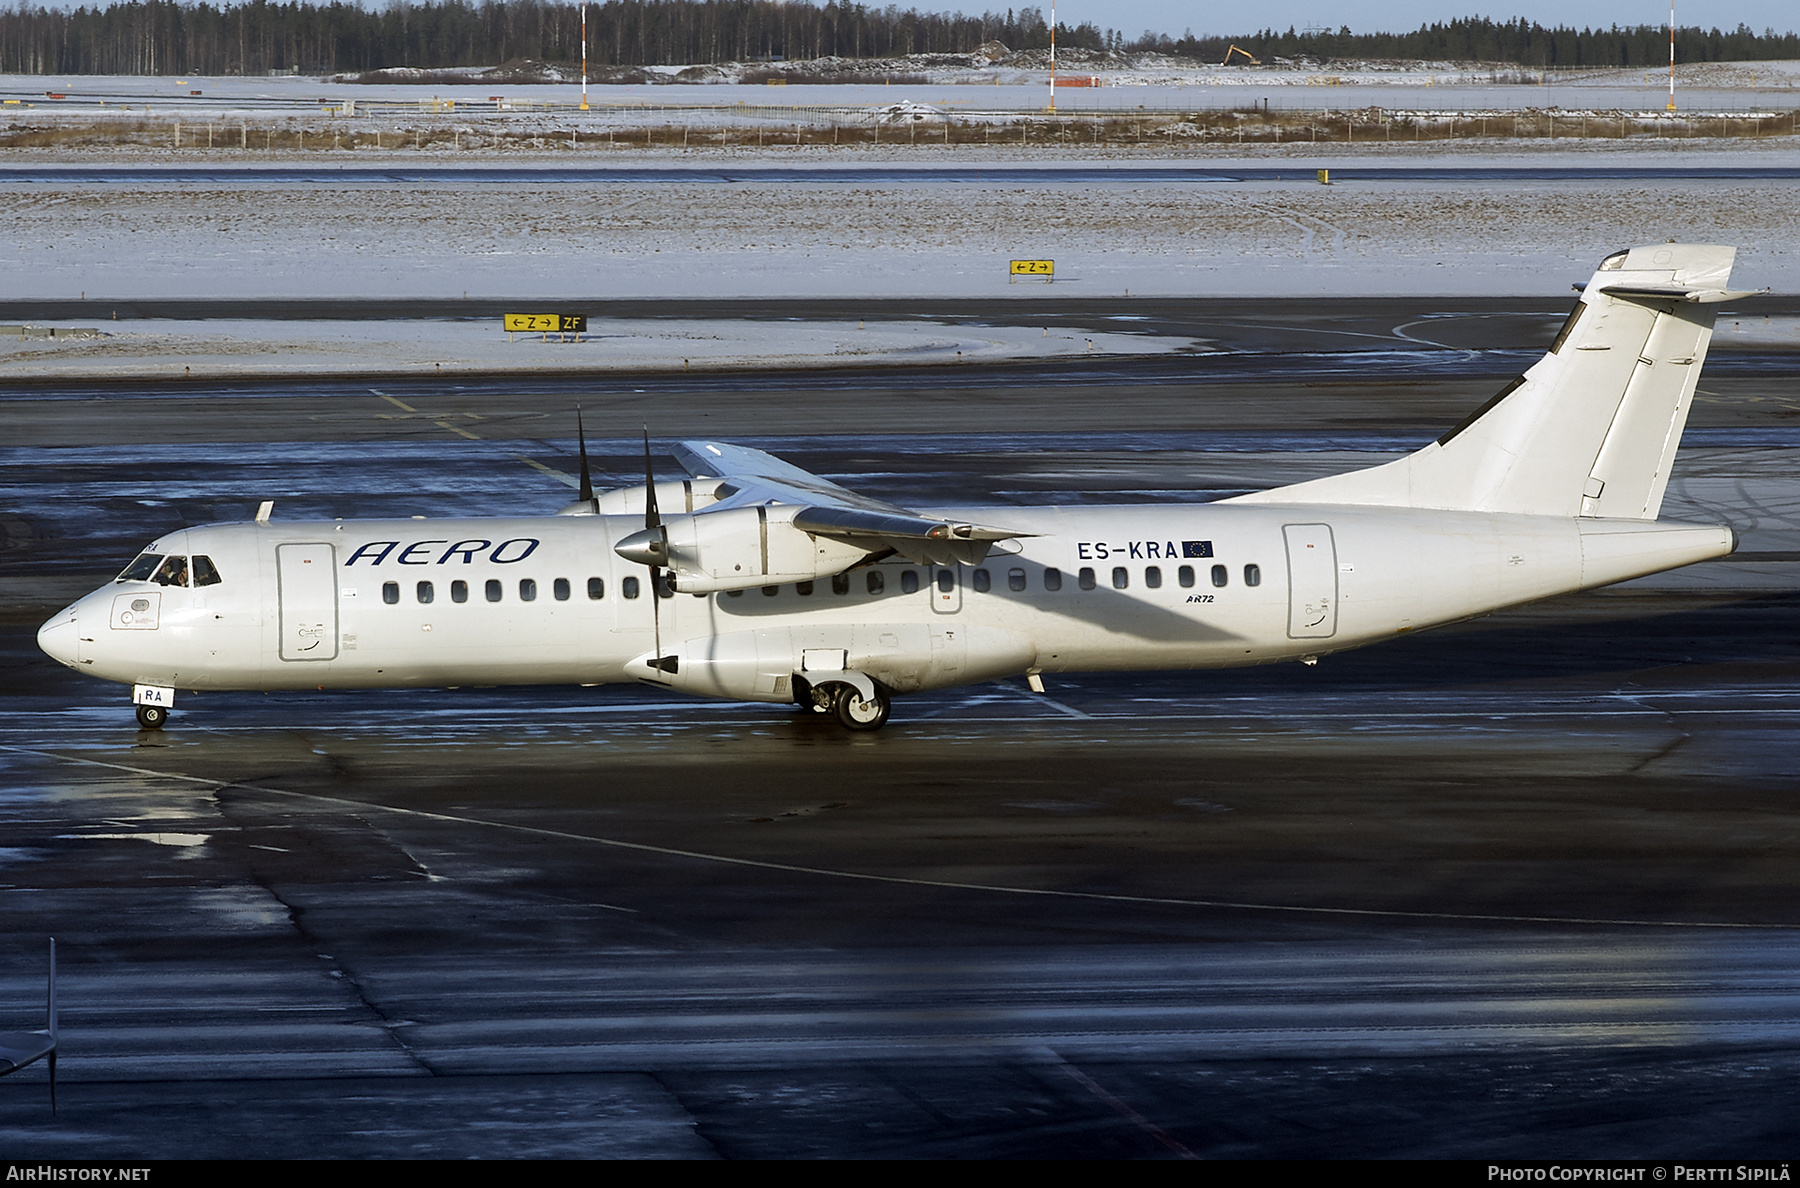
(847,704)
(152,717)
(857,714)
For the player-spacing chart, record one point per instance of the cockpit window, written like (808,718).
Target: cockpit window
(205,572)
(172,572)
(141,569)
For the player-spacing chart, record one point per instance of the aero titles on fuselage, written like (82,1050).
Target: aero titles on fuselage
(1143,550)
(442,551)
(508,552)
(427,552)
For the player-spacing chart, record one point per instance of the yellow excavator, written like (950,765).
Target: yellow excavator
(1235,50)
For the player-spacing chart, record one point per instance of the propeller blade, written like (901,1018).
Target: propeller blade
(587,478)
(653,524)
(652,518)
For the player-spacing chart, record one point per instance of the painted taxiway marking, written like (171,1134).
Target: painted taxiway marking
(444,424)
(363,806)
(1060,707)
(554,473)
(399,404)
(440,422)
(1123,1109)
(1053,703)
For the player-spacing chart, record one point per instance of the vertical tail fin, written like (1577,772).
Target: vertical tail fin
(1592,427)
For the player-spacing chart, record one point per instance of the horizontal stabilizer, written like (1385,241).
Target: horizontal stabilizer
(1676,293)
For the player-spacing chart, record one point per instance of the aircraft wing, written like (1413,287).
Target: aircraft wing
(19,1048)
(763,478)
(752,478)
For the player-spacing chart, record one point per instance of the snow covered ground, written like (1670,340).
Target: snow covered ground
(892,238)
(157,348)
(544,239)
(1149,82)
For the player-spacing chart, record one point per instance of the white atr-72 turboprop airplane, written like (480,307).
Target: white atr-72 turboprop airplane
(776,585)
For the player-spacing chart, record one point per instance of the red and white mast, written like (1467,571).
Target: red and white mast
(1671,55)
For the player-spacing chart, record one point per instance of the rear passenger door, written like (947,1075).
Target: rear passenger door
(1312,581)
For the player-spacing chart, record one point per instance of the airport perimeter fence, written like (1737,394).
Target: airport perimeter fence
(443,126)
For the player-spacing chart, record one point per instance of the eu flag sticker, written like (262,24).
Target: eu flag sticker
(1196,548)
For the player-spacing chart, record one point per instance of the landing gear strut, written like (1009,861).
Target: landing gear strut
(152,717)
(814,699)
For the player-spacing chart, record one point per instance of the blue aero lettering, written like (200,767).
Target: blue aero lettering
(1143,550)
(443,552)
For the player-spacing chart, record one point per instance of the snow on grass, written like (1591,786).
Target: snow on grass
(209,349)
(892,238)
(1150,82)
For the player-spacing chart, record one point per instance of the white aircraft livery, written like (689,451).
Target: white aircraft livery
(765,583)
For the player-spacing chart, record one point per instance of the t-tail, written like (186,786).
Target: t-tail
(1592,428)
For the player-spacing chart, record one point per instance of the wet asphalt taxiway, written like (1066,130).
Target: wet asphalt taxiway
(1526,887)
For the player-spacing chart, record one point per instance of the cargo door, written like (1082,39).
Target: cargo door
(1312,581)
(307,576)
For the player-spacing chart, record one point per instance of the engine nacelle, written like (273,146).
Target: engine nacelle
(675,498)
(750,546)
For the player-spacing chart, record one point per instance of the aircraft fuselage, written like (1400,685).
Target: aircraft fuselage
(546,600)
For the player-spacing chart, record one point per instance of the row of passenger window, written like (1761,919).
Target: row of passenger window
(874,581)
(1018,581)
(1184,577)
(494,590)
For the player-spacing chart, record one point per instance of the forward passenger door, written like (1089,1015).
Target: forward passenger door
(307,585)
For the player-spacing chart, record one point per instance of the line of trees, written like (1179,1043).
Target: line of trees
(1518,42)
(259,37)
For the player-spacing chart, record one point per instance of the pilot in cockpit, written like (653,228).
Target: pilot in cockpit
(174,571)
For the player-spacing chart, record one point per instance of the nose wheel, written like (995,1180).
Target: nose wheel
(152,717)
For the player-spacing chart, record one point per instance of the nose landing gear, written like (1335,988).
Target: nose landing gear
(152,717)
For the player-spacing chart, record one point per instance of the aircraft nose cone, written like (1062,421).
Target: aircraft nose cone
(646,547)
(58,638)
